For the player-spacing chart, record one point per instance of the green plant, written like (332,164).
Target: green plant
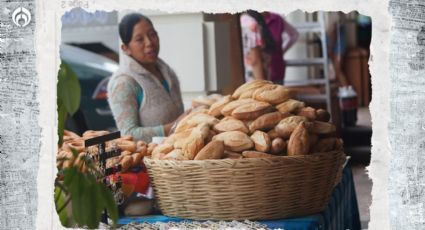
(82,191)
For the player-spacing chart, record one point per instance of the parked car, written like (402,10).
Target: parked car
(93,72)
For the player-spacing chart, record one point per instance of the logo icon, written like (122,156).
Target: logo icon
(21,17)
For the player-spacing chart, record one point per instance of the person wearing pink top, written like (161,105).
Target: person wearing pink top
(278,27)
(263,45)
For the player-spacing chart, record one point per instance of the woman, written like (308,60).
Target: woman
(263,45)
(258,44)
(144,93)
(279,29)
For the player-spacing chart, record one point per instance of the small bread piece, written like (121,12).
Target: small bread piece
(231,155)
(287,126)
(76,144)
(261,141)
(163,148)
(193,145)
(202,118)
(176,139)
(126,163)
(299,143)
(324,145)
(323,115)
(274,94)
(229,107)
(70,134)
(235,141)
(176,154)
(202,101)
(151,147)
(126,145)
(213,150)
(215,109)
(278,146)
(320,127)
(290,106)
(308,112)
(251,111)
(266,121)
(249,86)
(183,125)
(137,158)
(230,124)
(256,154)
(202,129)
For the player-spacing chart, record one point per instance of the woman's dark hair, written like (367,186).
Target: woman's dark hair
(270,44)
(127,24)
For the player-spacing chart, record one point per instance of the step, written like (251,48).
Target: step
(305,62)
(305,82)
(307,27)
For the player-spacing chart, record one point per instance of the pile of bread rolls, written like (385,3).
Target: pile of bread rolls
(260,119)
(132,152)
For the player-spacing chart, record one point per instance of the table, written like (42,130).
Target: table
(342,212)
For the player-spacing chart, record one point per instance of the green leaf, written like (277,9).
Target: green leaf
(77,189)
(62,115)
(60,201)
(68,88)
(110,204)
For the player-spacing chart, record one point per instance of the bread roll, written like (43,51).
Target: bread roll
(273,94)
(308,112)
(261,141)
(251,111)
(176,154)
(290,106)
(266,121)
(288,125)
(320,127)
(193,145)
(299,143)
(126,163)
(235,141)
(202,101)
(229,107)
(183,125)
(163,148)
(137,158)
(215,109)
(278,146)
(324,145)
(249,86)
(230,124)
(323,115)
(213,150)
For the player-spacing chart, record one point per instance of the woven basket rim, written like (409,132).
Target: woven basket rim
(329,154)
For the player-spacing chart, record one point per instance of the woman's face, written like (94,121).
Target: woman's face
(144,43)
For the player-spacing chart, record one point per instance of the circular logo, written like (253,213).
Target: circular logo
(21,17)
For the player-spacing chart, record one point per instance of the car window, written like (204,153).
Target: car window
(86,73)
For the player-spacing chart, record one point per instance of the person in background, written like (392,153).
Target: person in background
(279,29)
(144,93)
(337,48)
(263,46)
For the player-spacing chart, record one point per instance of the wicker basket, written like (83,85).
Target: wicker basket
(254,189)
